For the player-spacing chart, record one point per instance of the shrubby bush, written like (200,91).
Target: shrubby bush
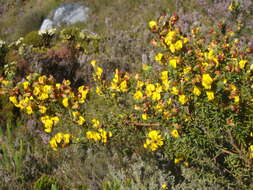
(34,39)
(192,110)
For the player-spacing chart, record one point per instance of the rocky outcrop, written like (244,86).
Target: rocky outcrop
(66,14)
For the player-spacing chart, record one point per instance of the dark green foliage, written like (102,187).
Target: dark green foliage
(34,39)
(46,183)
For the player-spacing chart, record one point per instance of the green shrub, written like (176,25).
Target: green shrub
(46,183)
(34,39)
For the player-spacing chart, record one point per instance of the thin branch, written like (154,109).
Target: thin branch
(138,124)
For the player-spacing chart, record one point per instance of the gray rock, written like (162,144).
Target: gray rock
(70,13)
(46,25)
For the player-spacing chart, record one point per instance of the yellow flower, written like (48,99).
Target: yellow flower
(169,101)
(43,96)
(251,156)
(66,82)
(58,137)
(145,67)
(144,116)
(75,114)
(164,75)
(25,84)
(164,186)
(186,164)
(251,67)
(149,89)
(242,63)
(58,86)
(169,38)
(123,86)
(65,102)
(140,84)
(93,63)
(36,91)
(154,140)
(83,92)
(81,120)
(177,160)
(48,123)
(99,91)
(251,148)
(172,48)
(210,54)
(205,64)
(116,76)
(174,133)
(93,135)
(159,57)
(5,82)
(99,72)
(207,81)
(61,139)
(13,99)
(233,88)
(53,144)
(156,96)
(152,24)
(66,138)
(138,95)
(182,99)
(173,63)
(196,91)
(210,95)
(231,7)
(95,122)
(158,108)
(42,79)
(29,110)
(185,40)
(114,86)
(187,70)
(55,119)
(47,89)
(23,103)
(178,45)
(42,109)
(174,90)
(236,99)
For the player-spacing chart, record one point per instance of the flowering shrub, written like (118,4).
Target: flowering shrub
(194,108)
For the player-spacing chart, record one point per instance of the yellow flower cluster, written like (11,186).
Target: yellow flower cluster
(37,91)
(23,104)
(251,151)
(96,123)
(98,136)
(119,83)
(207,81)
(78,118)
(49,122)
(152,25)
(98,70)
(154,140)
(174,133)
(60,140)
(174,41)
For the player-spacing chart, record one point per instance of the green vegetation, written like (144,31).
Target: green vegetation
(139,98)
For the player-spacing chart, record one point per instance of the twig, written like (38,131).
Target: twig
(143,124)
